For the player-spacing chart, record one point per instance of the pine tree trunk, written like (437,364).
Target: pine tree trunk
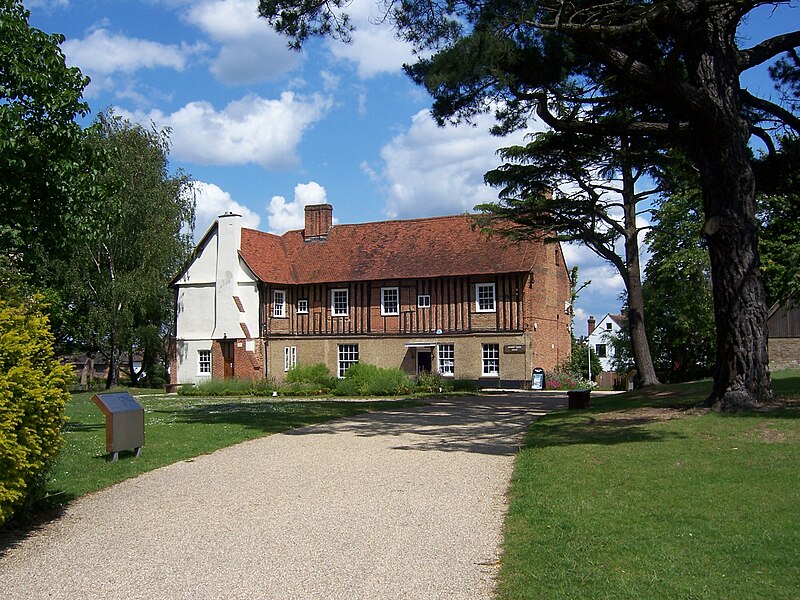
(632,274)
(741,375)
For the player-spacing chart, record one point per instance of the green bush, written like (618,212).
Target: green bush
(33,393)
(229,387)
(317,375)
(368,380)
(432,382)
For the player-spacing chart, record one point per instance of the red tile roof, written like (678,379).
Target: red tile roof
(419,248)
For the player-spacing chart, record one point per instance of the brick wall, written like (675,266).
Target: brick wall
(784,353)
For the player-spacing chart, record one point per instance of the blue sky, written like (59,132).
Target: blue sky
(266,130)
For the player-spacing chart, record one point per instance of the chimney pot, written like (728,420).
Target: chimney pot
(591,324)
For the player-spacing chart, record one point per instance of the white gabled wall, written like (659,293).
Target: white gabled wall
(206,292)
(602,335)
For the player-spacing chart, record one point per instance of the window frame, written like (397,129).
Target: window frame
(597,351)
(485,285)
(201,362)
(344,356)
(396,291)
(346,312)
(490,356)
(420,303)
(289,357)
(276,313)
(302,309)
(450,361)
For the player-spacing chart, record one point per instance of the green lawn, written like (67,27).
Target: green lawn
(643,496)
(178,428)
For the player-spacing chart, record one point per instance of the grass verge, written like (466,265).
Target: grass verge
(646,496)
(178,428)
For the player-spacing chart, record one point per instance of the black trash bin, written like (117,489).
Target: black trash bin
(578,399)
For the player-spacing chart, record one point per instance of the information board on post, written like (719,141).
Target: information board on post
(124,422)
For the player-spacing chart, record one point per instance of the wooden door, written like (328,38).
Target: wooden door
(227,359)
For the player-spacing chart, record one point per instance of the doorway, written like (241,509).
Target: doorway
(424,361)
(227,358)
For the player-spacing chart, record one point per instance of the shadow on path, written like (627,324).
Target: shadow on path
(484,424)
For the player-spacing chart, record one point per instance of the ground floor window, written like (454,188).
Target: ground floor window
(204,362)
(289,357)
(348,356)
(491,359)
(447,359)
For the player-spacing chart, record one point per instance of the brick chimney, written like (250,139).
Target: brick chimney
(591,324)
(319,220)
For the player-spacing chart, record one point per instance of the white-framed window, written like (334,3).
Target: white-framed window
(424,301)
(204,362)
(302,306)
(484,297)
(348,356)
(289,357)
(608,326)
(390,301)
(278,303)
(340,302)
(490,359)
(447,359)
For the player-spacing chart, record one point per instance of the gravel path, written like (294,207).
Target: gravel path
(399,504)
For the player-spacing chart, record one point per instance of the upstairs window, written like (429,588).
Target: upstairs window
(423,301)
(484,297)
(608,326)
(279,303)
(302,307)
(600,350)
(390,301)
(340,302)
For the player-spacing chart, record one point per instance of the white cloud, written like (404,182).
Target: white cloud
(432,170)
(212,201)
(48,5)
(250,51)
(374,49)
(285,216)
(251,130)
(104,52)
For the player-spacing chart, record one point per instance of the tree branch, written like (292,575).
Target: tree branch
(775,110)
(768,49)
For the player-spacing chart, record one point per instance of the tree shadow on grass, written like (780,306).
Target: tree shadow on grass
(276,417)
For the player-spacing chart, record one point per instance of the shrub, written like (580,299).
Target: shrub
(229,387)
(368,380)
(560,380)
(317,374)
(432,382)
(33,394)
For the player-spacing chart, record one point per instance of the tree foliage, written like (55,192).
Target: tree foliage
(32,395)
(578,188)
(668,72)
(46,171)
(778,179)
(141,232)
(677,289)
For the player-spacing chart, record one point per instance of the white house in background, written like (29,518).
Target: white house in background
(600,335)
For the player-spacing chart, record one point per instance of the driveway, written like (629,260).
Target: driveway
(398,504)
